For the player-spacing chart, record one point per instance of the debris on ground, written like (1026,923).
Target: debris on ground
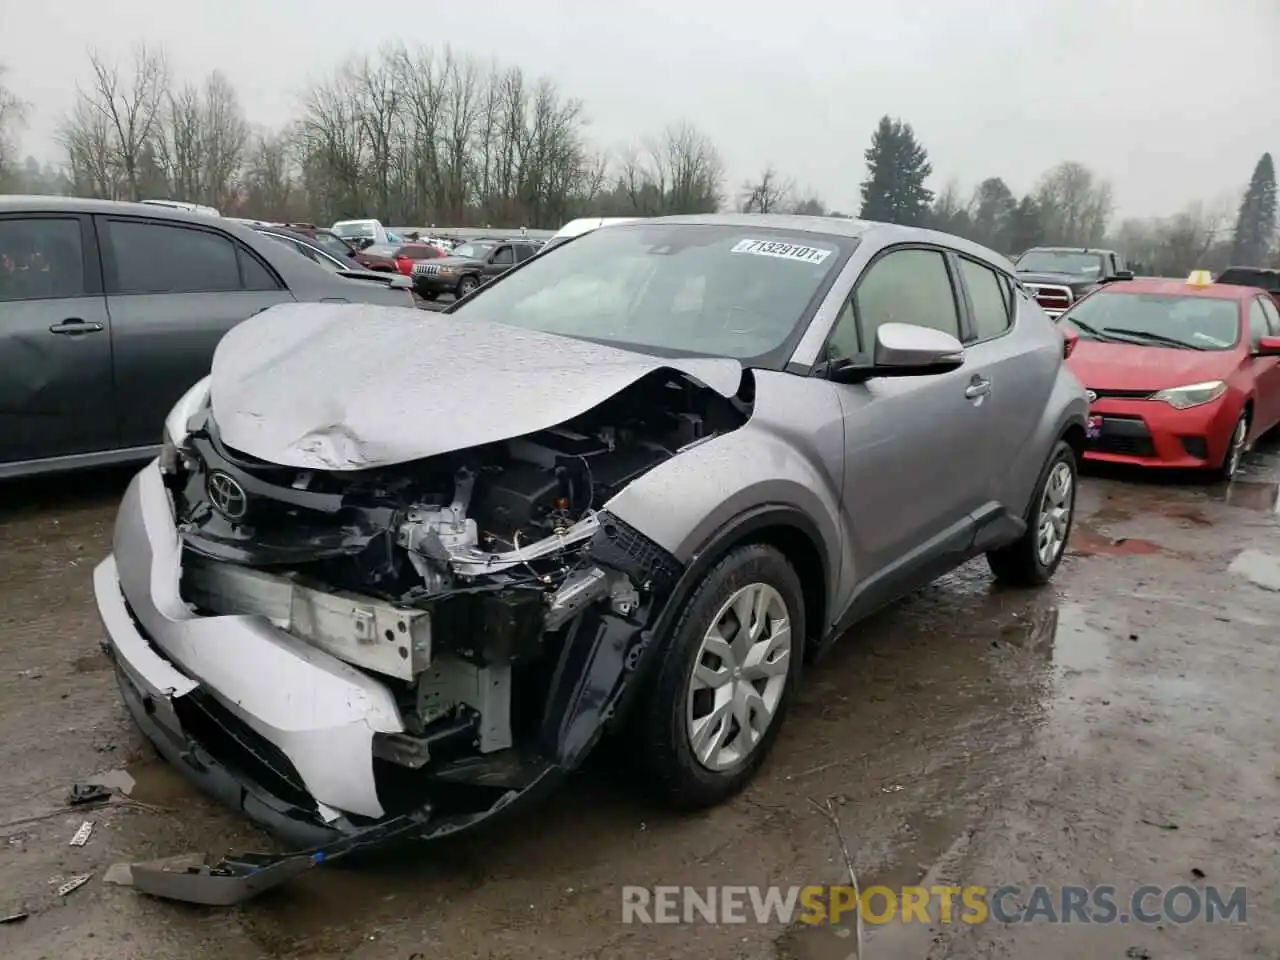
(82,834)
(74,884)
(14,917)
(87,793)
(1259,568)
(1159,824)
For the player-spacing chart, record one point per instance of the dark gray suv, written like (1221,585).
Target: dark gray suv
(110,311)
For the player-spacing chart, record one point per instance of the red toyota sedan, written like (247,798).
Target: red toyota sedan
(1181,375)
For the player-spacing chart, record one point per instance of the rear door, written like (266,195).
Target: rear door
(173,290)
(56,393)
(1012,390)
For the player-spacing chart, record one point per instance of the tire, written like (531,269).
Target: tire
(670,708)
(1023,563)
(428,295)
(1236,448)
(466,285)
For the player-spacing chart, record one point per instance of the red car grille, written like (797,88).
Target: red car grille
(1051,297)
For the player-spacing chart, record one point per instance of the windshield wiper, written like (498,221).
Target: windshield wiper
(1089,332)
(1156,338)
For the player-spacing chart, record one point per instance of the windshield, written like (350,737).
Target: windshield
(332,245)
(684,289)
(1157,320)
(354,229)
(1060,261)
(476,251)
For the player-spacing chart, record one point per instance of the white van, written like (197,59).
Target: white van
(364,232)
(576,228)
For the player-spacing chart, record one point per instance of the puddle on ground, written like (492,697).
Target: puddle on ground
(1258,567)
(1087,542)
(1252,495)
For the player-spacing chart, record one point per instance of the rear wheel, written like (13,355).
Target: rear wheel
(1236,448)
(1032,559)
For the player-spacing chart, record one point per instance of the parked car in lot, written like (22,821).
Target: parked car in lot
(1261,277)
(110,311)
(346,267)
(1059,276)
(1180,374)
(393,578)
(576,228)
(467,266)
(364,233)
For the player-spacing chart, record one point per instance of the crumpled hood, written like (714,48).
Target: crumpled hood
(1118,366)
(349,386)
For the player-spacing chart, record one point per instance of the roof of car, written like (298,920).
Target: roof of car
(1180,288)
(883,233)
(18,203)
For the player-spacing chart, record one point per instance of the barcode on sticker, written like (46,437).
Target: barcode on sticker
(784,251)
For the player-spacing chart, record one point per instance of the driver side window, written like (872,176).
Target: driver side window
(1258,326)
(906,286)
(503,256)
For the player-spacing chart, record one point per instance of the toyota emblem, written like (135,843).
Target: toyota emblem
(227,496)
(1088,393)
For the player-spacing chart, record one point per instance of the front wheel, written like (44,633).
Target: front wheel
(466,285)
(1032,559)
(720,693)
(1236,448)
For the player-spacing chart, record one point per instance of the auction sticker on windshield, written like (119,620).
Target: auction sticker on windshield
(784,251)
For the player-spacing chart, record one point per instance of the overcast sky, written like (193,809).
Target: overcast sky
(1171,100)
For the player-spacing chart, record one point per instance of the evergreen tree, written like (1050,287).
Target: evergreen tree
(1256,225)
(897,167)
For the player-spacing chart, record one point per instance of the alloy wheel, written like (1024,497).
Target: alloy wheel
(1055,513)
(739,676)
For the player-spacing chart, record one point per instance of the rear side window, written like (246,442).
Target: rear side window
(159,258)
(989,297)
(907,286)
(254,276)
(41,258)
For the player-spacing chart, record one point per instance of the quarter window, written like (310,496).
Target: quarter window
(987,293)
(41,258)
(158,258)
(907,286)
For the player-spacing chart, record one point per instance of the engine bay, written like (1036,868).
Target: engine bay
(455,580)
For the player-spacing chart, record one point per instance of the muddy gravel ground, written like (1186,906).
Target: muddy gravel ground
(1118,727)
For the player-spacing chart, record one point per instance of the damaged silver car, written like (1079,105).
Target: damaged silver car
(394,572)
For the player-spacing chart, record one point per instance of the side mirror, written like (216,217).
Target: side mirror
(1123,275)
(1069,340)
(1267,347)
(905,350)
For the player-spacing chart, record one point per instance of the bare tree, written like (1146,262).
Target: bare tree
(115,121)
(767,194)
(679,171)
(1077,204)
(13,115)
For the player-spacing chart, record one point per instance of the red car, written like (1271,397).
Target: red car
(396,257)
(1179,374)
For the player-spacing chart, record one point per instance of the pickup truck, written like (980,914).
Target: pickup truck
(1260,277)
(1059,276)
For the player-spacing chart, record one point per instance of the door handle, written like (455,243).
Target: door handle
(74,327)
(978,387)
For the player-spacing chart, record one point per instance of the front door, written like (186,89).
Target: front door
(173,290)
(1266,370)
(913,473)
(498,262)
(56,393)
